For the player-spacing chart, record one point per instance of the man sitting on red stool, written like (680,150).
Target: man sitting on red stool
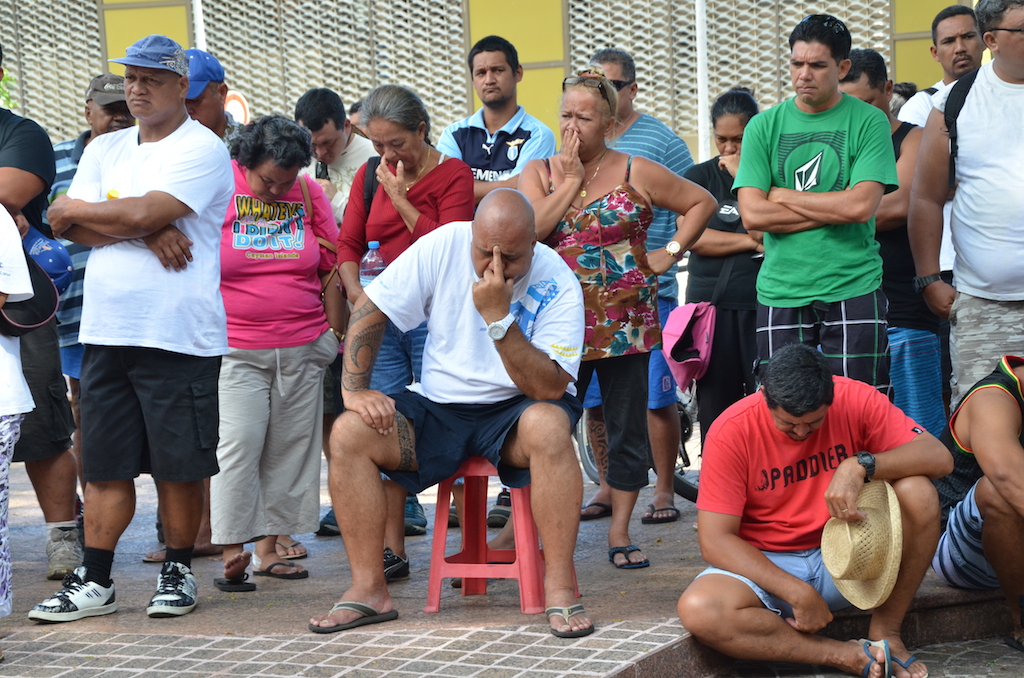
(505,327)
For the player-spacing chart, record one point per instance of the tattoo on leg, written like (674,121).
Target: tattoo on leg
(406,445)
(598,435)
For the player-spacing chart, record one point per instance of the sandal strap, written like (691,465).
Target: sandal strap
(564,612)
(355,606)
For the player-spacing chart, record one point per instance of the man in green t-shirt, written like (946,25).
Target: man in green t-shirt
(812,173)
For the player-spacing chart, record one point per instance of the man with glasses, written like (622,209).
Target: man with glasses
(986,310)
(641,134)
(812,174)
(499,139)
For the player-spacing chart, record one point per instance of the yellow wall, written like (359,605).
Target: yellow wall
(536,28)
(123,27)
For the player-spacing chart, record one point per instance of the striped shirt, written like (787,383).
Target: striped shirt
(67,154)
(650,138)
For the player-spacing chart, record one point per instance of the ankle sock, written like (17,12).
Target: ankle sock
(63,525)
(183,556)
(97,564)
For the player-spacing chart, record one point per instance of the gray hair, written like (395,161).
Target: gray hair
(616,56)
(396,104)
(990,12)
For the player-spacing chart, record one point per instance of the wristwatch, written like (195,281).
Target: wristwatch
(674,249)
(497,330)
(923,282)
(867,460)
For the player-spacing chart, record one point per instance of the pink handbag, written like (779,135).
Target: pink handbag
(686,341)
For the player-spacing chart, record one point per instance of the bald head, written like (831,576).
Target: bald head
(504,220)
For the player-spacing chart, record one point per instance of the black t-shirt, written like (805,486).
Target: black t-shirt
(702,272)
(907,308)
(25,146)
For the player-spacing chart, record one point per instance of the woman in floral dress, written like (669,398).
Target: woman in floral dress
(593,205)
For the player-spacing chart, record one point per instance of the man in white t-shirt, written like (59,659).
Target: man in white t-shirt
(504,329)
(338,150)
(986,309)
(957,47)
(151,201)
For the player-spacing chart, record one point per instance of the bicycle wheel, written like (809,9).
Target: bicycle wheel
(686,481)
(585,451)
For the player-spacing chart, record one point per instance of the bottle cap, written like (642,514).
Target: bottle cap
(373,244)
(112,194)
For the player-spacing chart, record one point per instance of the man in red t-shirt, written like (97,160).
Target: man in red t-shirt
(776,466)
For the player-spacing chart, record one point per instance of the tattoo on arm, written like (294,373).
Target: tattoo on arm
(406,445)
(361,348)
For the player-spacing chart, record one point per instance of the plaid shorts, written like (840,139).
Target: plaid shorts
(852,334)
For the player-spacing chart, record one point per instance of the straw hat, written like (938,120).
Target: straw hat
(864,557)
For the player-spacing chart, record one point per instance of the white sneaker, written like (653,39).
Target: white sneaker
(176,591)
(63,552)
(78,599)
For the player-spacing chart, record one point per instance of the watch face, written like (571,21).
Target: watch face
(673,247)
(496,331)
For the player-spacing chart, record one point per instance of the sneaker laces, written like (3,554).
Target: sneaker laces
(71,584)
(66,542)
(170,582)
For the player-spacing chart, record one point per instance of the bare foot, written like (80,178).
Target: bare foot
(277,568)
(379,600)
(214,551)
(566,598)
(234,567)
(900,655)
(505,539)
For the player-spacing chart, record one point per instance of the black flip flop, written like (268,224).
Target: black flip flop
(606,511)
(269,572)
(664,519)
(235,585)
(370,616)
(565,613)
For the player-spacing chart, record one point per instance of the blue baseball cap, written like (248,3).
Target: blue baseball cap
(203,68)
(156,51)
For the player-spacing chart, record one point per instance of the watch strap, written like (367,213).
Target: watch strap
(921,282)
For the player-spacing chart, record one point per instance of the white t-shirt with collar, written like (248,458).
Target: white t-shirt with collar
(987,220)
(433,281)
(130,299)
(15,398)
(342,171)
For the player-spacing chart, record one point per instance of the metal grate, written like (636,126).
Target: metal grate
(273,50)
(51,68)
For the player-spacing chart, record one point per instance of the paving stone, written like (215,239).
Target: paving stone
(421,667)
(407,653)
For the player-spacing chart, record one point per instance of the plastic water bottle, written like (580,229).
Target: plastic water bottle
(371,265)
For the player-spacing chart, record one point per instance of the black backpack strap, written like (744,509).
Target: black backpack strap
(930,91)
(954,103)
(899,135)
(370,182)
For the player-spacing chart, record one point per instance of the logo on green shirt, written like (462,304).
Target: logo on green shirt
(813,160)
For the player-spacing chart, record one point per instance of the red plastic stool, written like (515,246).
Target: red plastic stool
(476,562)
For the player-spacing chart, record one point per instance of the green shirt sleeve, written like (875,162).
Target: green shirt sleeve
(875,159)
(755,156)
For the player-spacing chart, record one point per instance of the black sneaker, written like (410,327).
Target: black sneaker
(502,509)
(175,592)
(77,600)
(329,525)
(396,568)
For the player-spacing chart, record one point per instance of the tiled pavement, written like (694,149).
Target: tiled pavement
(495,652)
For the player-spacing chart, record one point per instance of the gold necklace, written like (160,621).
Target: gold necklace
(583,191)
(423,166)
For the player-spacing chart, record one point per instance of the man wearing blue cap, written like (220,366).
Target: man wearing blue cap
(150,201)
(207,94)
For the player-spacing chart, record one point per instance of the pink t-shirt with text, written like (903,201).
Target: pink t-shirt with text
(270,266)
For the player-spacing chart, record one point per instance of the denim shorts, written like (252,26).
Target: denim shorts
(804,565)
(400,359)
(661,387)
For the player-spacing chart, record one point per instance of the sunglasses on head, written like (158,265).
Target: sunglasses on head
(594,81)
(828,21)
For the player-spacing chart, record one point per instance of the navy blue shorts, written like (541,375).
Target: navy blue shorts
(449,434)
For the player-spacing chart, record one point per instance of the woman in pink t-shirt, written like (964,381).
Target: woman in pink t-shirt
(276,247)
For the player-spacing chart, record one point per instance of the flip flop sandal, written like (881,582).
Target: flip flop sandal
(886,663)
(291,556)
(652,520)
(370,616)
(565,613)
(626,550)
(911,660)
(606,511)
(235,585)
(269,572)
(151,557)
